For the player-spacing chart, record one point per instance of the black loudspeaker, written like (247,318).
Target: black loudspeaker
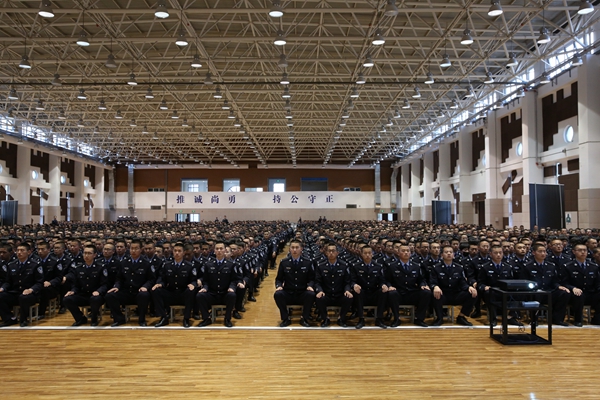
(547,205)
(9,211)
(440,212)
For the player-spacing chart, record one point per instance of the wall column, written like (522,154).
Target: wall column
(52,206)
(22,191)
(98,210)
(532,147)
(494,203)
(77,212)
(427,181)
(466,214)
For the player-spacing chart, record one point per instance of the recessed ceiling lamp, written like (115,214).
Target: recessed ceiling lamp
(282,63)
(163,105)
(218,94)
(56,81)
(544,36)
(391,10)
(161,10)
(445,61)
(196,62)
(131,81)
(378,40)
(429,80)
(81,95)
(368,63)
(225,105)
(45,10)
(495,9)
(276,10)
(361,79)
(466,39)
(585,7)
(279,39)
(285,80)
(208,79)
(489,78)
(286,93)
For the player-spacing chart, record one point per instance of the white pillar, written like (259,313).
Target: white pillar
(98,211)
(77,212)
(466,213)
(22,191)
(52,206)
(427,181)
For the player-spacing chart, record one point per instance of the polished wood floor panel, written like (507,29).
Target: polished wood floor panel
(368,364)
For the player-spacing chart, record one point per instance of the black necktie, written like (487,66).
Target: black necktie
(405,266)
(583,266)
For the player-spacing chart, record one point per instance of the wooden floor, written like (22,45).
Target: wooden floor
(256,360)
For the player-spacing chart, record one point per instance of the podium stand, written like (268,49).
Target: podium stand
(513,301)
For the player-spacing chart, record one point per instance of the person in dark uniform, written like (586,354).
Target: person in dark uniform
(519,260)
(220,279)
(368,286)
(332,286)
(23,284)
(582,277)
(450,286)
(132,286)
(175,285)
(110,262)
(294,284)
(547,277)
(407,284)
(53,277)
(488,276)
(89,280)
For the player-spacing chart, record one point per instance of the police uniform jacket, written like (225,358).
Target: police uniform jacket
(333,279)
(545,275)
(405,280)
(176,277)
(88,279)
(575,276)
(370,277)
(449,278)
(135,274)
(113,267)
(489,274)
(21,276)
(295,277)
(472,267)
(218,277)
(518,267)
(53,270)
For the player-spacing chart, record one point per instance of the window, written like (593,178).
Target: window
(86,183)
(256,189)
(520,149)
(313,184)
(34,175)
(483,161)
(194,185)
(231,185)
(63,179)
(569,134)
(0,168)
(276,184)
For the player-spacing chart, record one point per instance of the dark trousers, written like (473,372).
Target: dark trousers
(377,298)
(123,298)
(164,298)
(284,298)
(560,300)
(74,301)
(463,299)
(489,298)
(47,294)
(340,301)
(577,303)
(206,300)
(418,298)
(9,300)
(239,298)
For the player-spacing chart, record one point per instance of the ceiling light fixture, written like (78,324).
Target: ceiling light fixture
(196,62)
(218,94)
(512,61)
(282,63)
(83,41)
(163,105)
(12,94)
(470,92)
(102,105)
(81,95)
(429,80)
(132,122)
(585,7)
(80,123)
(56,81)
(61,114)
(454,104)
(184,123)
(361,79)
(288,115)
(225,105)
(208,79)
(231,115)
(149,94)
(368,63)
(45,10)
(285,80)
(577,61)
(118,115)
(489,78)
(417,93)
(545,78)
(287,105)
(132,81)
(174,115)
(237,123)
(397,113)
(25,62)
(276,10)
(445,61)
(406,104)
(110,61)
(286,93)
(280,39)
(495,9)
(467,39)
(354,93)
(40,105)
(161,10)
(391,10)
(378,40)
(181,40)
(544,36)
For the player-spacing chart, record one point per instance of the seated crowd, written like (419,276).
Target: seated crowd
(355,266)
